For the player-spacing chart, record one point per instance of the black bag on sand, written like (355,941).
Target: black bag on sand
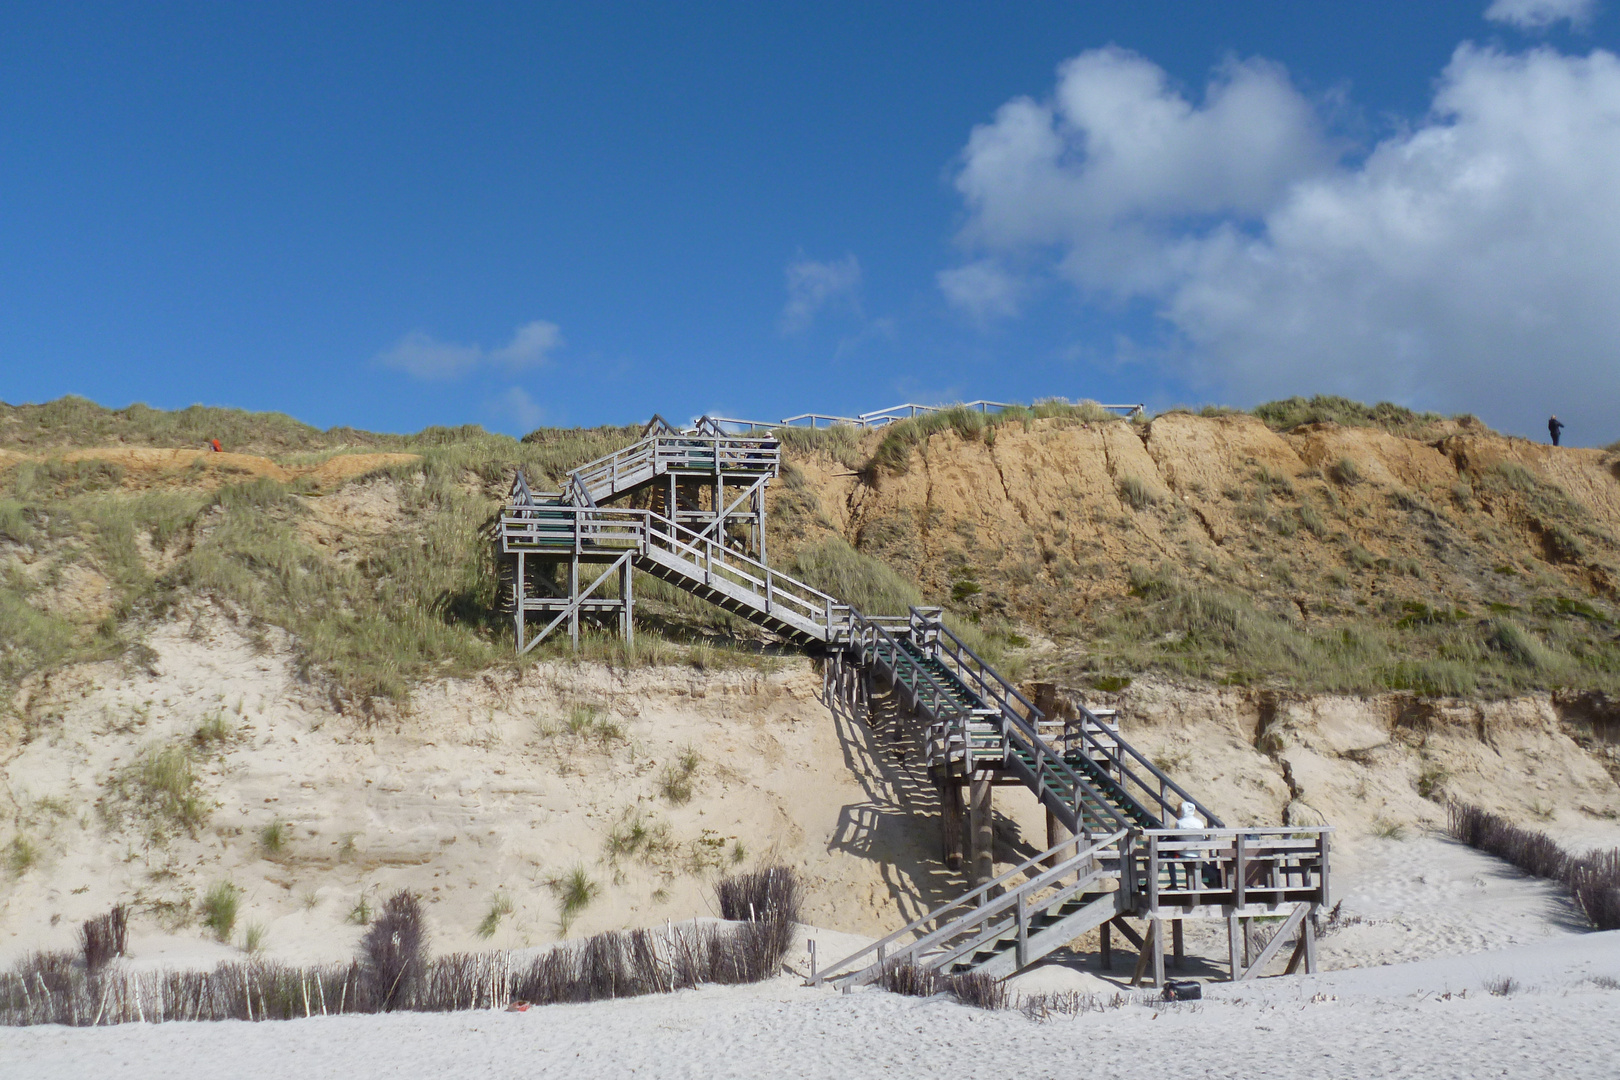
(1184,990)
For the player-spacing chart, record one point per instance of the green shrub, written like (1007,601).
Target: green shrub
(161,787)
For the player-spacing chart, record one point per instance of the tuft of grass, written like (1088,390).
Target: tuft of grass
(1385,829)
(1502,985)
(254,936)
(575,891)
(1345,471)
(273,838)
(588,722)
(360,914)
(500,906)
(1135,492)
(21,855)
(219,909)
(675,781)
(638,836)
(162,787)
(1431,780)
(215,731)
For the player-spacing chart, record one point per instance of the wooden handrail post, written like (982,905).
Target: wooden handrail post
(1153,873)
(1241,871)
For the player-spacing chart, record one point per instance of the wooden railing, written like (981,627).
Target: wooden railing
(588,531)
(658,454)
(1138,778)
(1232,868)
(984,914)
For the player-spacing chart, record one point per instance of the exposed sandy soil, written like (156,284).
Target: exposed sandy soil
(479,787)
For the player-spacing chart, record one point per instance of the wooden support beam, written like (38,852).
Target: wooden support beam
(1156,931)
(1130,935)
(1056,833)
(951,812)
(1275,944)
(1145,955)
(1233,948)
(981,831)
(627,626)
(1180,941)
(1106,945)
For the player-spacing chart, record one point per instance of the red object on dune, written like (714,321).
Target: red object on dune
(215,445)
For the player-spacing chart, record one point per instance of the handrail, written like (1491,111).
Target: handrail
(1120,745)
(666,445)
(1045,757)
(1034,715)
(881,634)
(980,899)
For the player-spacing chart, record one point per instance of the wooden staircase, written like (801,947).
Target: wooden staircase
(1115,803)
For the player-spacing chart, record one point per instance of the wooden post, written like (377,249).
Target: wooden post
(517,600)
(573,588)
(1107,945)
(950,797)
(629,628)
(1232,947)
(1180,943)
(1022,953)
(1056,833)
(981,831)
(1158,951)
(1308,931)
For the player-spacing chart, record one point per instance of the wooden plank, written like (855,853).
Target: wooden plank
(1106,945)
(1233,929)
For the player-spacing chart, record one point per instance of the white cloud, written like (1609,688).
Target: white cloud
(983,289)
(1471,261)
(1119,154)
(1539,14)
(813,286)
(529,345)
(423,356)
(517,405)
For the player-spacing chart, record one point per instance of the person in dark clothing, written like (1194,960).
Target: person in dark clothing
(1555,427)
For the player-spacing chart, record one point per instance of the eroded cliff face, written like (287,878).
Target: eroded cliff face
(1061,526)
(1053,513)
(1376,764)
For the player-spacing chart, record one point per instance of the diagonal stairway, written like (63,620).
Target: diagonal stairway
(1004,925)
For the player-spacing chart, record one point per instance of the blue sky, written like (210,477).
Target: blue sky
(396,215)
